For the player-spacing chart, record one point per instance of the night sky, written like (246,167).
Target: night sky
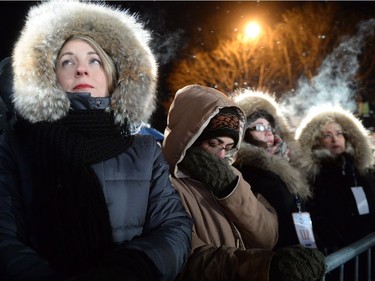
(184,18)
(179,23)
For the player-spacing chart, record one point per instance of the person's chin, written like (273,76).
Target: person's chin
(81,91)
(269,144)
(337,151)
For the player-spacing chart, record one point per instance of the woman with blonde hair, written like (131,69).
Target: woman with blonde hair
(82,197)
(339,163)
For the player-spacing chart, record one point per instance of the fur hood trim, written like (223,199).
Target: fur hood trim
(250,155)
(37,95)
(251,101)
(356,136)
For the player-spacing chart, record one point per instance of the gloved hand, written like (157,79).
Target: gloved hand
(209,169)
(297,263)
(111,272)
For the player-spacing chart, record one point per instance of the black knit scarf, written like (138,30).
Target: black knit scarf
(69,208)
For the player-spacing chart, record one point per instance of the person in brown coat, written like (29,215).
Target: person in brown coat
(234,229)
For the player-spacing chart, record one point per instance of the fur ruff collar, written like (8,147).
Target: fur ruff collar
(250,155)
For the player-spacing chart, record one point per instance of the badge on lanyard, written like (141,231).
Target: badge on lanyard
(361,200)
(303,226)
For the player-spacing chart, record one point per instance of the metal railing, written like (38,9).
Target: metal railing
(362,248)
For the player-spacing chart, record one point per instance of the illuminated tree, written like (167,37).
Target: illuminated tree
(275,60)
(313,31)
(238,62)
(310,32)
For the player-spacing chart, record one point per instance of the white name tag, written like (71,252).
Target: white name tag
(361,200)
(303,226)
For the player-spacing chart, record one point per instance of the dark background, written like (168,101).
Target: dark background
(185,17)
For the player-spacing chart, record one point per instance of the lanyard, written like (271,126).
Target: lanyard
(353,173)
(298,203)
(354,177)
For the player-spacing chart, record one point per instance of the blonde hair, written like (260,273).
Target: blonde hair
(330,120)
(107,62)
(322,125)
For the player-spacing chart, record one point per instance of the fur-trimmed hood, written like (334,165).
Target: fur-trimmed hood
(251,101)
(249,155)
(37,95)
(356,135)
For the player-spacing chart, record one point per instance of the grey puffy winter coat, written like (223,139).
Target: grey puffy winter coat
(141,202)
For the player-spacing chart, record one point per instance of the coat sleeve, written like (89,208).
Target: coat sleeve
(18,261)
(208,262)
(166,239)
(254,217)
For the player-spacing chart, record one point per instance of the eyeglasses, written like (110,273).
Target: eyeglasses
(262,128)
(214,146)
(329,136)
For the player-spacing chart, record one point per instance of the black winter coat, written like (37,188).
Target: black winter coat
(279,182)
(276,192)
(336,220)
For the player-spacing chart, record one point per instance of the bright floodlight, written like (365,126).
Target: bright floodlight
(252,30)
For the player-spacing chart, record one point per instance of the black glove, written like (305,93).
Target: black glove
(107,273)
(209,169)
(297,263)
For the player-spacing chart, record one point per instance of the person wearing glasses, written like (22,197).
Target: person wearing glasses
(338,159)
(265,160)
(234,229)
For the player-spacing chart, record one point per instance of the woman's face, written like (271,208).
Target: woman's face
(263,132)
(79,69)
(332,138)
